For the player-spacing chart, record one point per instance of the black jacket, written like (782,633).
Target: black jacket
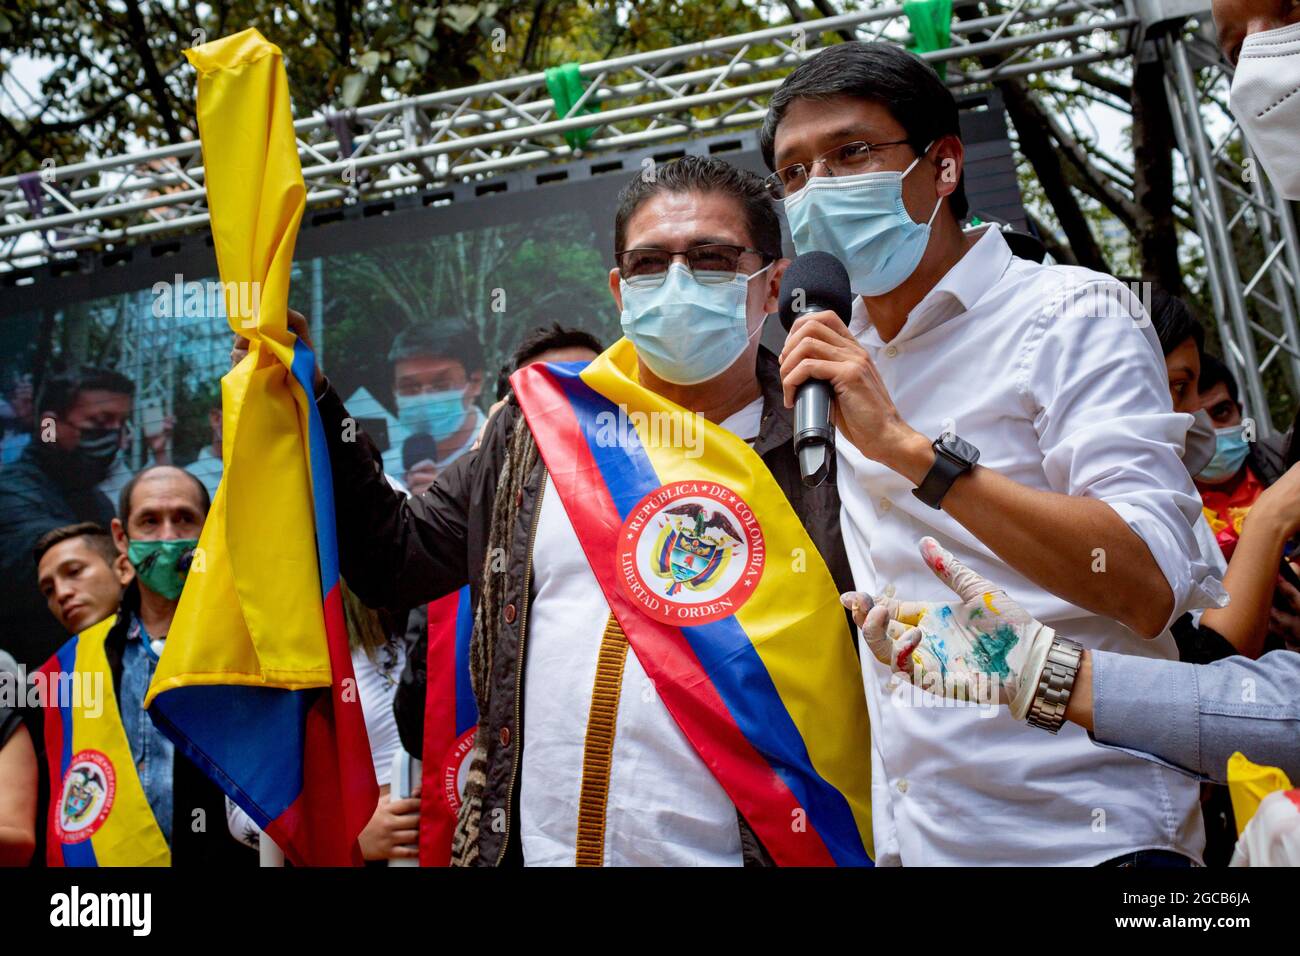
(38,492)
(397,552)
(192,791)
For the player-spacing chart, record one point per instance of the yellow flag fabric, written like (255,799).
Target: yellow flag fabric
(255,685)
(1248,785)
(257,553)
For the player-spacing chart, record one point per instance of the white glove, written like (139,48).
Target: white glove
(984,647)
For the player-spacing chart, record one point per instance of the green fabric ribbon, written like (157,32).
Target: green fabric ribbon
(931,24)
(566,88)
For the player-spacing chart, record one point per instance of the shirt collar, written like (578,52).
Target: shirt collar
(961,287)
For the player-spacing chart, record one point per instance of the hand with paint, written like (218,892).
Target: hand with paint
(962,649)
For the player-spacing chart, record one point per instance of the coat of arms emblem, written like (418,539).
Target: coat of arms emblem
(690,552)
(87,797)
(694,546)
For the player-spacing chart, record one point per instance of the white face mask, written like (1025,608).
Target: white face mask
(1265,99)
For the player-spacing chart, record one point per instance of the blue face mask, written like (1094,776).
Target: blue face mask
(438,414)
(861,220)
(686,331)
(1230,450)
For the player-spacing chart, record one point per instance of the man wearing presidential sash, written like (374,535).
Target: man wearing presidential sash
(661,668)
(118,793)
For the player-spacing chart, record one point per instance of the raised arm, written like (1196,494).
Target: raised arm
(1252,572)
(394,551)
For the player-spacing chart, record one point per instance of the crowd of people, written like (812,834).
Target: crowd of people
(1049,514)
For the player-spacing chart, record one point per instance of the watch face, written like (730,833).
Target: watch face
(959,449)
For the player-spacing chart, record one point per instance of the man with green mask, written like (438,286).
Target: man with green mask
(161,512)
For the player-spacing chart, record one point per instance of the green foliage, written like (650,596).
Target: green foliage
(119,81)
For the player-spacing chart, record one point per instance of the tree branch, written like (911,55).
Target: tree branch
(153,77)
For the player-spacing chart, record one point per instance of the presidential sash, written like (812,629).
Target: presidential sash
(99,814)
(450,719)
(722,596)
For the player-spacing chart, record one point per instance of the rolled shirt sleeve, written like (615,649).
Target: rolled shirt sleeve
(1098,390)
(1193,717)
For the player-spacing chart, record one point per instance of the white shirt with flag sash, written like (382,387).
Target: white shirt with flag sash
(665,808)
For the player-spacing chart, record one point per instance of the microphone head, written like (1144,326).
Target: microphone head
(418,447)
(813,282)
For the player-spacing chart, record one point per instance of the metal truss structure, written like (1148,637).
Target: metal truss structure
(474,133)
(1247,230)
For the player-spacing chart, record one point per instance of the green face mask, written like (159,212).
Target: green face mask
(162,565)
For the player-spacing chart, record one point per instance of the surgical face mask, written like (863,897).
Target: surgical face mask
(162,566)
(861,220)
(1230,451)
(1201,443)
(438,414)
(1265,99)
(688,331)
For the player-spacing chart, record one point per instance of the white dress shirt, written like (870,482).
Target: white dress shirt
(377,687)
(1049,375)
(665,807)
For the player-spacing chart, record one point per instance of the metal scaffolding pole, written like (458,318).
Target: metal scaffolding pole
(475,132)
(1245,228)
(425,143)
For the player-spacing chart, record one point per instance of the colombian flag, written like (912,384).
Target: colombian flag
(723,598)
(450,720)
(256,683)
(98,812)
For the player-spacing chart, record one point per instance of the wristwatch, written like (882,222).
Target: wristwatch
(1055,684)
(953,457)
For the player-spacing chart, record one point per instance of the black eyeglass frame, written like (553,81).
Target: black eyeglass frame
(706,276)
(775,183)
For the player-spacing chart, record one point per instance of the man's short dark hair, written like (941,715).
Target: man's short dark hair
(542,339)
(59,392)
(97,539)
(705,174)
(460,344)
(1174,322)
(555,336)
(1214,371)
(124,499)
(901,82)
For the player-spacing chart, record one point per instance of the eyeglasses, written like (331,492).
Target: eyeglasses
(847,160)
(710,264)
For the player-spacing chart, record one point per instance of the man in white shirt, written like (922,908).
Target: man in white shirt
(577,757)
(1050,377)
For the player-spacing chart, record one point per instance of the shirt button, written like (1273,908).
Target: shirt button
(902,786)
(510,614)
(892,351)
(505,736)
(885,504)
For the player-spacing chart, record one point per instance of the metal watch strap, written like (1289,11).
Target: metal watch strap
(1055,683)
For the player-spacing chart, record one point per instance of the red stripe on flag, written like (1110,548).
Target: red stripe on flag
(334,804)
(437,822)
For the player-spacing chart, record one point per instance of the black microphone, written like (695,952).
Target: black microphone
(814,282)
